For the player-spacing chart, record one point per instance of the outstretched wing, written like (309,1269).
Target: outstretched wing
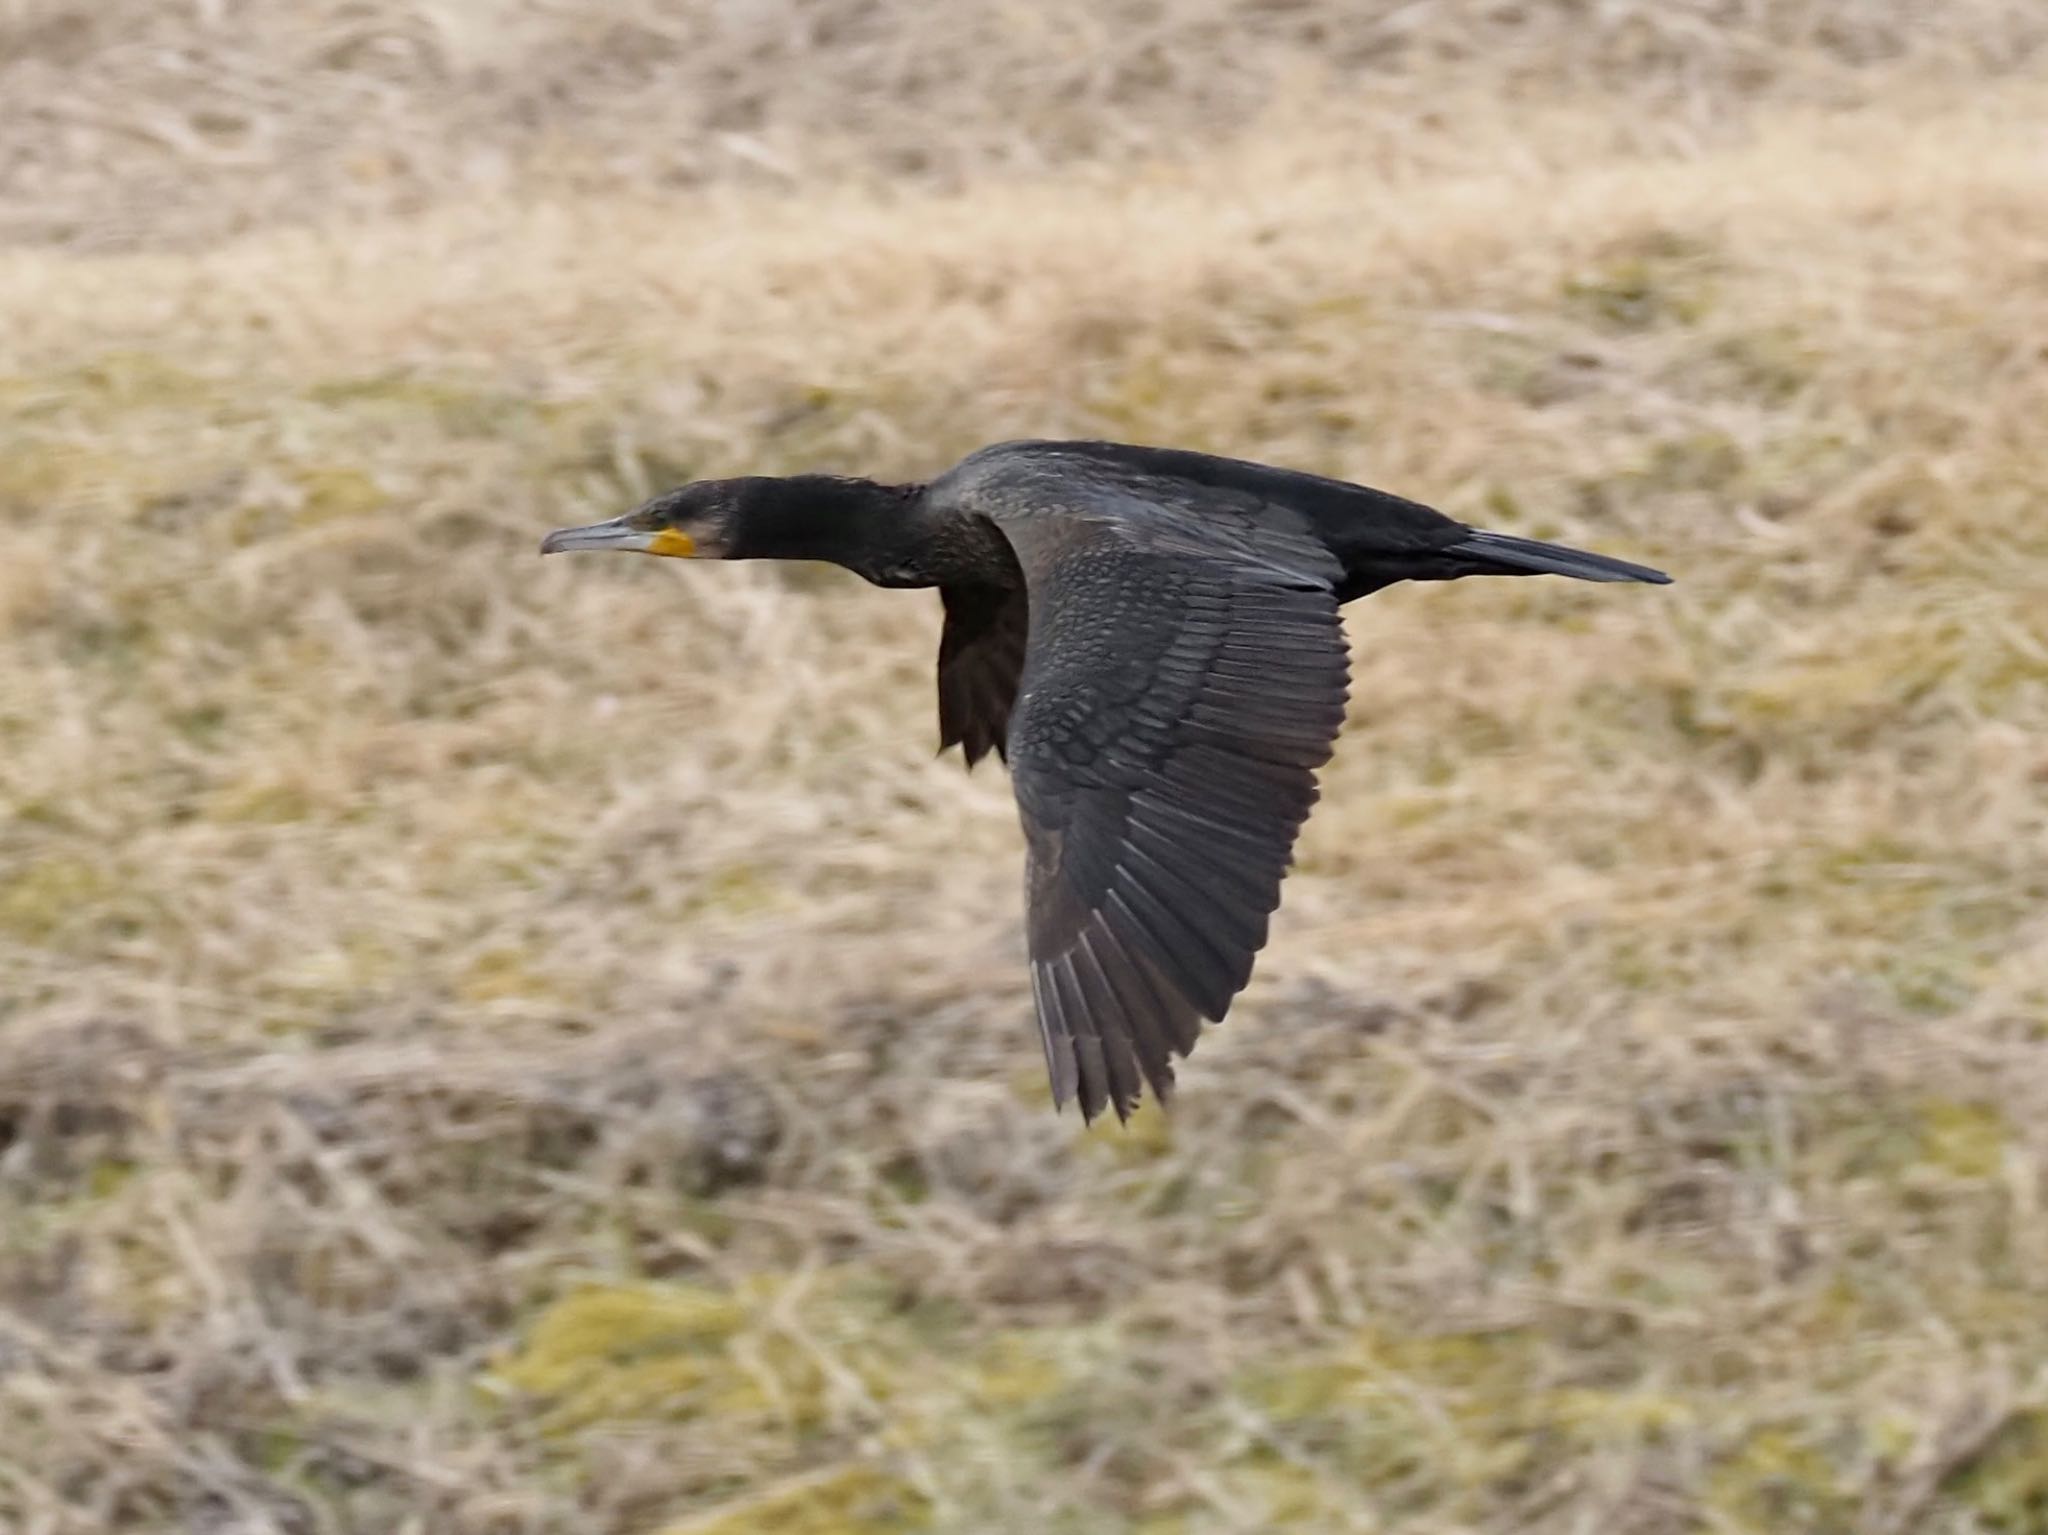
(1184,677)
(981,655)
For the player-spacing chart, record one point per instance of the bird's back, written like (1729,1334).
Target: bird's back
(1349,520)
(1375,537)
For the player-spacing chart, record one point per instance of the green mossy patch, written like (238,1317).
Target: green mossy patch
(611,1353)
(1662,278)
(1784,1478)
(48,894)
(2005,1484)
(337,494)
(850,1500)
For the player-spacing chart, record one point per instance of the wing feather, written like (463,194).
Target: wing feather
(981,655)
(1174,702)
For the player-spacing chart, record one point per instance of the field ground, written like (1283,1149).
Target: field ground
(507,1048)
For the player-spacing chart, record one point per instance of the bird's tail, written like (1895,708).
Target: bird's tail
(1504,554)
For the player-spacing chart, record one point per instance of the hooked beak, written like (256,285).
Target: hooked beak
(616,534)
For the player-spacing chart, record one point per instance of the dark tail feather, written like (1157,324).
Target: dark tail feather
(1504,554)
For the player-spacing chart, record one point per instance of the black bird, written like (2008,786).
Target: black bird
(1150,638)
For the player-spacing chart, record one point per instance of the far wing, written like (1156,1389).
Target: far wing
(981,654)
(1181,685)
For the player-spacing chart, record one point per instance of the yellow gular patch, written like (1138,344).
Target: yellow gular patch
(676,545)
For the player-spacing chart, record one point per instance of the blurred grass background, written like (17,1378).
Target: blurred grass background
(497,1048)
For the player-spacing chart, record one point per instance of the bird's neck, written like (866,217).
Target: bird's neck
(874,530)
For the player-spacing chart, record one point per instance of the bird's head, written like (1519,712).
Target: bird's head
(855,523)
(698,521)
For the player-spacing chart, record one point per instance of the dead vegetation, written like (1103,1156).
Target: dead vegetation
(488,1047)
(131,123)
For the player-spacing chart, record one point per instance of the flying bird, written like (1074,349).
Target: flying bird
(1150,639)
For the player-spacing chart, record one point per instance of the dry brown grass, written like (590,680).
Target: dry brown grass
(136,122)
(495,1047)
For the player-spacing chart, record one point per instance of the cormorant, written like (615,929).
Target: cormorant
(1150,638)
